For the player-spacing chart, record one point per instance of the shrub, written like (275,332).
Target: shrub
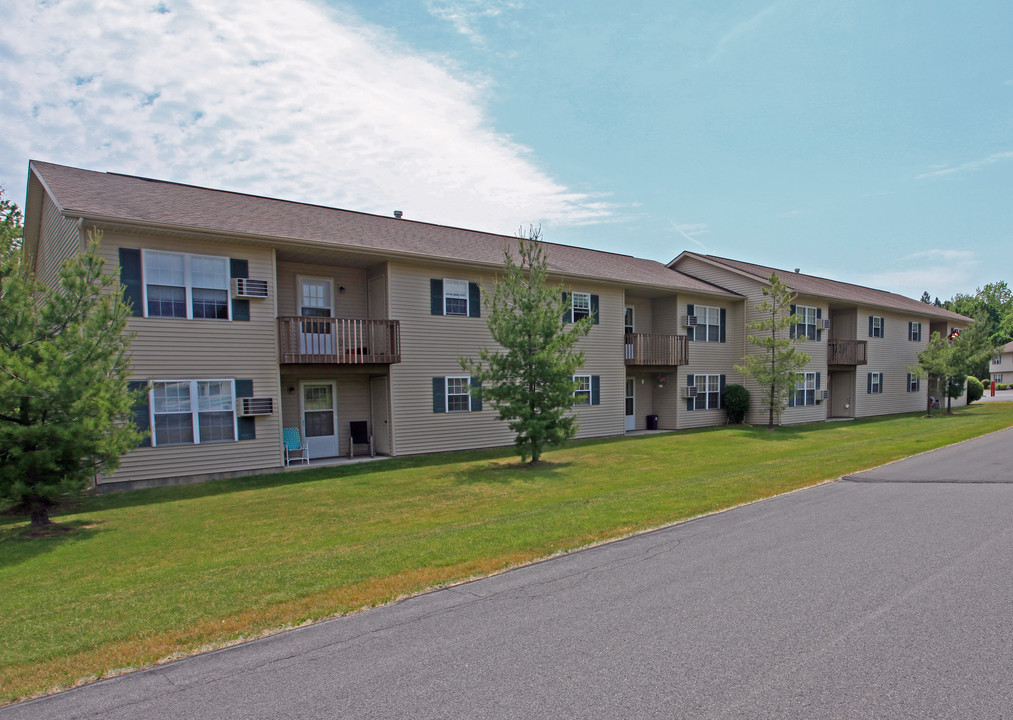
(1002,386)
(736,399)
(974,389)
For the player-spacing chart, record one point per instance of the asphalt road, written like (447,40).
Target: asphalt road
(873,598)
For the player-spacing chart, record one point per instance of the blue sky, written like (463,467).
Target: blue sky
(866,141)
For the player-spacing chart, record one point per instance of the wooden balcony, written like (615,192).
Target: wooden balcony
(656,350)
(846,352)
(339,341)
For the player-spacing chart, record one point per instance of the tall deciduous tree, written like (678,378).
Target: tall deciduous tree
(954,358)
(10,222)
(529,378)
(777,363)
(65,406)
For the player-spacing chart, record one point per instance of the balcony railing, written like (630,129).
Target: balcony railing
(339,340)
(846,352)
(658,350)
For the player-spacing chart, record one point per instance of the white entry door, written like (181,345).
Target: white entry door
(316,302)
(631,409)
(320,419)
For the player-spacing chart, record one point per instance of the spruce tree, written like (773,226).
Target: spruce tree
(528,379)
(65,406)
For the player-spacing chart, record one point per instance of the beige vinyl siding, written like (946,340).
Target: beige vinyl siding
(817,351)
(348,304)
(891,355)
(643,321)
(179,349)
(351,392)
(59,239)
(710,358)
(432,344)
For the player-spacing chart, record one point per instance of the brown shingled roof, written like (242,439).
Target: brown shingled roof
(130,200)
(833,289)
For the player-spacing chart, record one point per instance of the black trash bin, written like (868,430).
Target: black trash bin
(652,422)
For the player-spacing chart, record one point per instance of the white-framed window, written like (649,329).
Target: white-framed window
(315,297)
(997,377)
(580,306)
(582,393)
(182,285)
(875,383)
(187,412)
(876,326)
(914,331)
(806,325)
(997,360)
(628,320)
(455,297)
(805,389)
(914,383)
(708,324)
(708,392)
(458,394)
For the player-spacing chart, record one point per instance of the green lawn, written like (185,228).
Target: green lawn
(150,573)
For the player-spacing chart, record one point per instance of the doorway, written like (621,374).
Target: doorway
(320,418)
(631,404)
(379,415)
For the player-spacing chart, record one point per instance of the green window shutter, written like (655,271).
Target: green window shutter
(567,313)
(792,329)
(690,382)
(818,400)
(239,268)
(881,381)
(691,331)
(817,381)
(596,389)
(130,278)
(142,416)
(870,325)
(819,329)
(909,382)
(910,336)
(868,387)
(882,327)
(439,394)
(724,317)
(721,395)
(474,300)
(246,426)
(435,296)
(594,309)
(476,400)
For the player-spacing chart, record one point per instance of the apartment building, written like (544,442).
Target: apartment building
(1001,368)
(253,314)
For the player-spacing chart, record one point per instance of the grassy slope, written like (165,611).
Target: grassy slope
(150,573)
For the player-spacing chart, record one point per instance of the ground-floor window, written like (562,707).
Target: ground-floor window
(192,411)
(914,383)
(708,391)
(875,383)
(805,388)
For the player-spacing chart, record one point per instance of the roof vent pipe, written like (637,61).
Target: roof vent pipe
(797,269)
(398,214)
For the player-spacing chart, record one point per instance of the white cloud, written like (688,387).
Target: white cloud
(291,101)
(741,29)
(465,15)
(941,272)
(690,231)
(942,170)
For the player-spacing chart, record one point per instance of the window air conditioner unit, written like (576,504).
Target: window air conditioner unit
(249,406)
(824,394)
(689,392)
(690,321)
(826,323)
(248,288)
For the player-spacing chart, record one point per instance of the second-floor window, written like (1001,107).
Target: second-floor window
(455,297)
(997,360)
(180,285)
(708,323)
(580,306)
(877,326)
(914,331)
(806,325)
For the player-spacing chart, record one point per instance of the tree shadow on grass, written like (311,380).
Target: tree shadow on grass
(508,472)
(19,544)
